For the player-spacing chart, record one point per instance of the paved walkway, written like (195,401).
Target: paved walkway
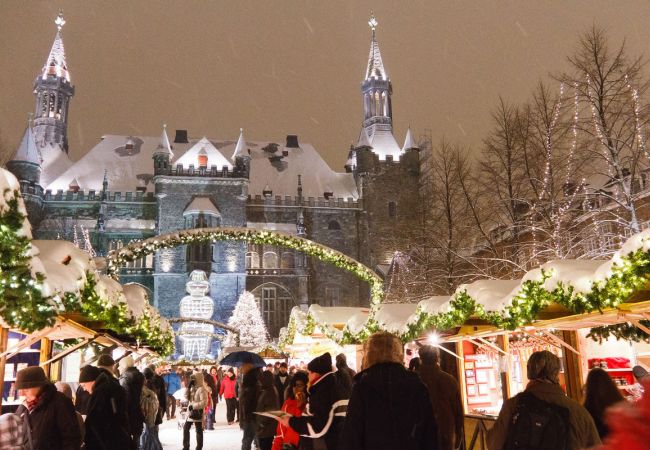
(223,437)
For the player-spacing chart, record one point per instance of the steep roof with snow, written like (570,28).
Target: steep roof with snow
(28,150)
(128,165)
(201,205)
(383,143)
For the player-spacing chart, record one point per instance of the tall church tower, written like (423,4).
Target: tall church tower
(386,174)
(376,89)
(53,92)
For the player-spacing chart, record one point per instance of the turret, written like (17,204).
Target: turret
(26,163)
(162,155)
(53,91)
(242,157)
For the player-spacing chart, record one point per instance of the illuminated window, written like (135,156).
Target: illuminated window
(252,260)
(203,160)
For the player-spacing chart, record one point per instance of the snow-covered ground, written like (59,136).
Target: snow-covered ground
(224,436)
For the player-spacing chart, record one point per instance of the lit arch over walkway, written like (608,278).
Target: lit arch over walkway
(118,258)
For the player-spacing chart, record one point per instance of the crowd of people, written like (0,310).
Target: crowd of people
(322,405)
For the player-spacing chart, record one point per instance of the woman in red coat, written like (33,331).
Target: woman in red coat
(294,405)
(227,391)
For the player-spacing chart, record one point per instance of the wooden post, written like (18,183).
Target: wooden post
(45,355)
(4,339)
(572,368)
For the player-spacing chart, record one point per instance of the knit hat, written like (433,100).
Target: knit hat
(88,373)
(105,360)
(321,364)
(31,377)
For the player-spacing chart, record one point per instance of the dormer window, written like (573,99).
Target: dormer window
(267,192)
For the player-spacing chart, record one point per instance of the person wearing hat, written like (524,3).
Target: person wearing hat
(323,417)
(543,371)
(107,363)
(107,425)
(50,414)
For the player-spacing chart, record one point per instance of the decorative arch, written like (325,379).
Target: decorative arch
(119,258)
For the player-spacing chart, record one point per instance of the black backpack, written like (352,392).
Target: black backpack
(537,425)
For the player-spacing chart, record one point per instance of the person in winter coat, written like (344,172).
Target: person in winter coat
(248,394)
(227,391)
(132,381)
(107,422)
(50,414)
(216,381)
(344,374)
(66,390)
(173,382)
(294,404)
(266,401)
(444,395)
(282,379)
(211,387)
(156,383)
(197,398)
(322,420)
(389,407)
(601,393)
(543,373)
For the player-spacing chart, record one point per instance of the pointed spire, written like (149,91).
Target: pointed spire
(375,64)
(364,140)
(28,151)
(408,141)
(55,64)
(240,148)
(164,146)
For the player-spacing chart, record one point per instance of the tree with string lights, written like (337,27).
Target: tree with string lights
(247,318)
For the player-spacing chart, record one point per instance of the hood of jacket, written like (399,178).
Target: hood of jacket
(198,378)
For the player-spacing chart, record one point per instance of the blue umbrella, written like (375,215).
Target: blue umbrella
(237,359)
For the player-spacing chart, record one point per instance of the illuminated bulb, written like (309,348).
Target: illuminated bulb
(433,339)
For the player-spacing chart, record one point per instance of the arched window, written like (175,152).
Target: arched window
(392,209)
(384,105)
(252,260)
(270,260)
(377,105)
(287,261)
(275,303)
(333,225)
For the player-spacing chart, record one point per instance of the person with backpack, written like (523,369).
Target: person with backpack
(543,417)
(150,407)
(47,417)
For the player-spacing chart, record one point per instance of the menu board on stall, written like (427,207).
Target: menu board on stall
(479,379)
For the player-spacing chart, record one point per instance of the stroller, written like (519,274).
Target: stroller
(183,411)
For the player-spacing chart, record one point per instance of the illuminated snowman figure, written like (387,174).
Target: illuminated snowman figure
(197,305)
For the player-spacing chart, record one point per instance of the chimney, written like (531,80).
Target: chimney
(292,141)
(181,137)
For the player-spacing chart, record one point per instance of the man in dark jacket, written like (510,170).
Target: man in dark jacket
(156,383)
(50,414)
(282,380)
(107,423)
(132,382)
(322,420)
(344,374)
(248,395)
(444,395)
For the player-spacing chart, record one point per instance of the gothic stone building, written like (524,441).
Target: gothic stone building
(127,188)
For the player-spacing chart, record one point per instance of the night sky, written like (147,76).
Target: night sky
(293,67)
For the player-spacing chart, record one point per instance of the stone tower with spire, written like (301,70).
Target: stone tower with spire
(387,175)
(53,91)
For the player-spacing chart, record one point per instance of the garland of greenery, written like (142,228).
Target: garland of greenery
(620,331)
(22,304)
(139,249)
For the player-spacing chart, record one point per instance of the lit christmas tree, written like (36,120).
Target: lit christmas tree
(246,318)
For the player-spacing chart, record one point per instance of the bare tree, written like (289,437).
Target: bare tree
(611,85)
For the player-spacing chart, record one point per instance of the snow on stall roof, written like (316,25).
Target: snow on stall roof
(126,167)
(435,304)
(109,289)
(8,185)
(335,315)
(137,299)
(65,266)
(578,273)
(395,317)
(492,294)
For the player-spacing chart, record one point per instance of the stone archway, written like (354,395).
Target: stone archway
(118,258)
